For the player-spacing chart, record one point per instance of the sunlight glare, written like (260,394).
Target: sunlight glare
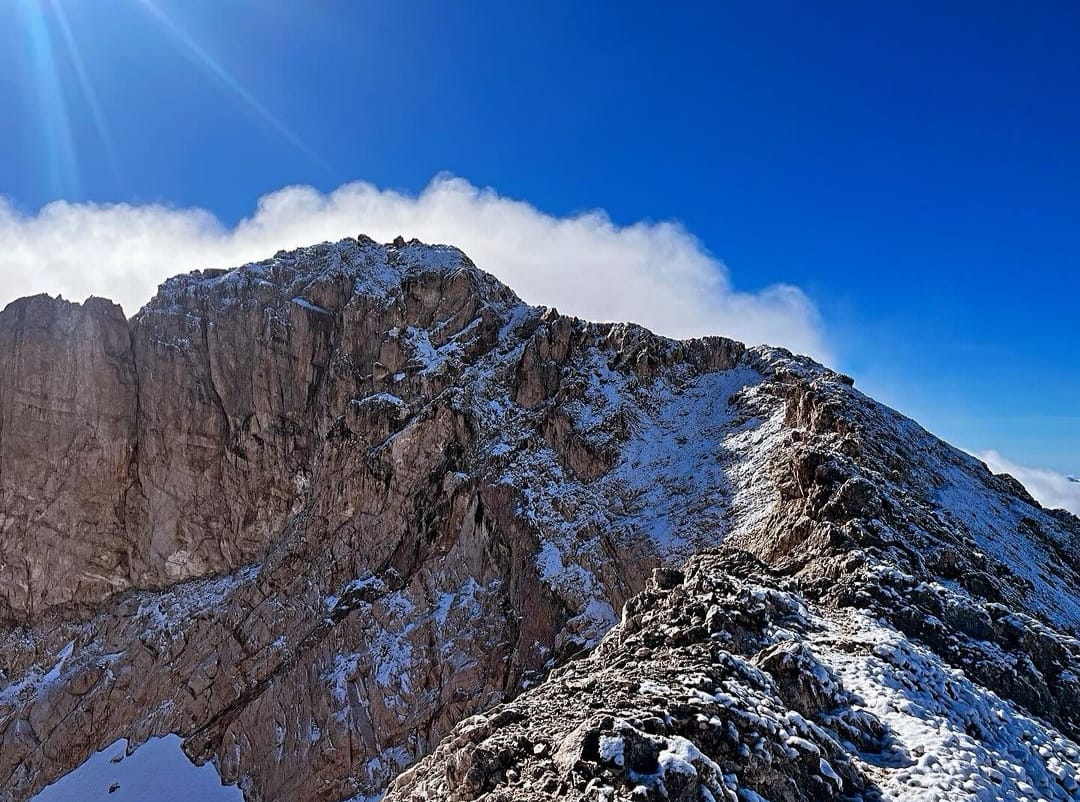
(62,160)
(202,59)
(85,84)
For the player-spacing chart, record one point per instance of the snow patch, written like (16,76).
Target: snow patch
(953,733)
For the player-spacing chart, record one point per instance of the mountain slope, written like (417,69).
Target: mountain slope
(723,684)
(314,513)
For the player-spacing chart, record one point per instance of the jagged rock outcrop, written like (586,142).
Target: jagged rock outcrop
(704,689)
(314,513)
(723,685)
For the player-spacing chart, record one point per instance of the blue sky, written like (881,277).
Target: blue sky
(911,166)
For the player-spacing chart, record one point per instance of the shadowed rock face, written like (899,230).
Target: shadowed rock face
(314,513)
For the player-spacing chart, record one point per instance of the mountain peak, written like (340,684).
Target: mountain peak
(373,269)
(316,512)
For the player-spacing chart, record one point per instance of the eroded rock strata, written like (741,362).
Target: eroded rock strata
(316,513)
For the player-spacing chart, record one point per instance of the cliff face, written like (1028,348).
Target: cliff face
(68,421)
(315,512)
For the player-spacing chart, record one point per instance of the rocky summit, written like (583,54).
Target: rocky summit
(357,523)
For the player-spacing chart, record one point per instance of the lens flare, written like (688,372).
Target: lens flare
(59,74)
(206,62)
(85,84)
(63,168)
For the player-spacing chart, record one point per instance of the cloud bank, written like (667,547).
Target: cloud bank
(1051,489)
(656,274)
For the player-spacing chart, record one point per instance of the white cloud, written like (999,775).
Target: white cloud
(1051,489)
(656,274)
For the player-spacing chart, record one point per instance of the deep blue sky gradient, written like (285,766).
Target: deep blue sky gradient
(915,167)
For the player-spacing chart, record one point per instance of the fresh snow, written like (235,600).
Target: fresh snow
(35,681)
(157,771)
(376,271)
(426,357)
(676,440)
(950,733)
(304,303)
(996,524)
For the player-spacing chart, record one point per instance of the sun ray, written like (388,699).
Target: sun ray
(59,143)
(83,76)
(205,61)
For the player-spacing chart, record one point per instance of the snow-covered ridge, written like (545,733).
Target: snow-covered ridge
(373,269)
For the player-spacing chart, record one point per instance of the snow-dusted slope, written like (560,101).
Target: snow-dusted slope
(369,493)
(722,684)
